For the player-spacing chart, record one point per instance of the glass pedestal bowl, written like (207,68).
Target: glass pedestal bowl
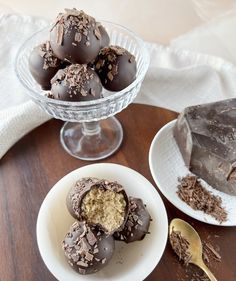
(91,131)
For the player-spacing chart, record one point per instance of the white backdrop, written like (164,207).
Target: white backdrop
(154,20)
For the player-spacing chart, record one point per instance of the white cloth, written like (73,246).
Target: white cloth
(176,78)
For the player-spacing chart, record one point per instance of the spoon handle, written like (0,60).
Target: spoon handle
(207,271)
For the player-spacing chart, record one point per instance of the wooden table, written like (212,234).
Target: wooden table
(38,161)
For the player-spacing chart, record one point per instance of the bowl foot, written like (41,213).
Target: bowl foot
(92,140)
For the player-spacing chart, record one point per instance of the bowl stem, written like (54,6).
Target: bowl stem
(92,140)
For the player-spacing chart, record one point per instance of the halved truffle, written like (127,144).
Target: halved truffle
(87,248)
(137,224)
(102,203)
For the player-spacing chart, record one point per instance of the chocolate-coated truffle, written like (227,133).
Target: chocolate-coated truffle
(43,65)
(137,224)
(75,37)
(86,248)
(105,39)
(116,68)
(99,202)
(77,82)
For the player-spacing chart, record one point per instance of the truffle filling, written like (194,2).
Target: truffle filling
(104,207)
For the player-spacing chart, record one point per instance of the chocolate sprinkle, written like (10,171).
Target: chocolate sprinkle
(197,197)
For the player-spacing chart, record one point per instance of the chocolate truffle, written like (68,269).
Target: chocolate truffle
(116,68)
(43,65)
(99,202)
(206,137)
(75,37)
(86,248)
(137,224)
(105,39)
(77,82)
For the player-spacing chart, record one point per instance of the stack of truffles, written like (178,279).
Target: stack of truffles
(77,60)
(103,214)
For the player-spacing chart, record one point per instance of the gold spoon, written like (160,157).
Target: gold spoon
(195,244)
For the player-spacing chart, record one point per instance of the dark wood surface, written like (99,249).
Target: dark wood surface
(38,161)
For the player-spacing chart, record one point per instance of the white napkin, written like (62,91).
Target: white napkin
(175,79)
(18,114)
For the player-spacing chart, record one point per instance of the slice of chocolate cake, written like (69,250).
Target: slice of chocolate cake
(206,136)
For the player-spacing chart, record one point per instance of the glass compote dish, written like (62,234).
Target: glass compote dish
(91,131)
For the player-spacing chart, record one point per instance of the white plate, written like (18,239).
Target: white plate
(134,261)
(166,165)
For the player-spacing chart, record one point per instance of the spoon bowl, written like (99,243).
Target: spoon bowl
(195,244)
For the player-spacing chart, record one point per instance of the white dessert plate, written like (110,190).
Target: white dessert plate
(134,261)
(167,165)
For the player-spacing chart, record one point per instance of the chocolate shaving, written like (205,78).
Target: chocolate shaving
(76,20)
(89,256)
(81,263)
(97,33)
(92,92)
(45,51)
(197,197)
(77,77)
(48,46)
(180,246)
(131,59)
(95,251)
(91,238)
(209,254)
(78,37)
(110,76)
(208,248)
(60,33)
